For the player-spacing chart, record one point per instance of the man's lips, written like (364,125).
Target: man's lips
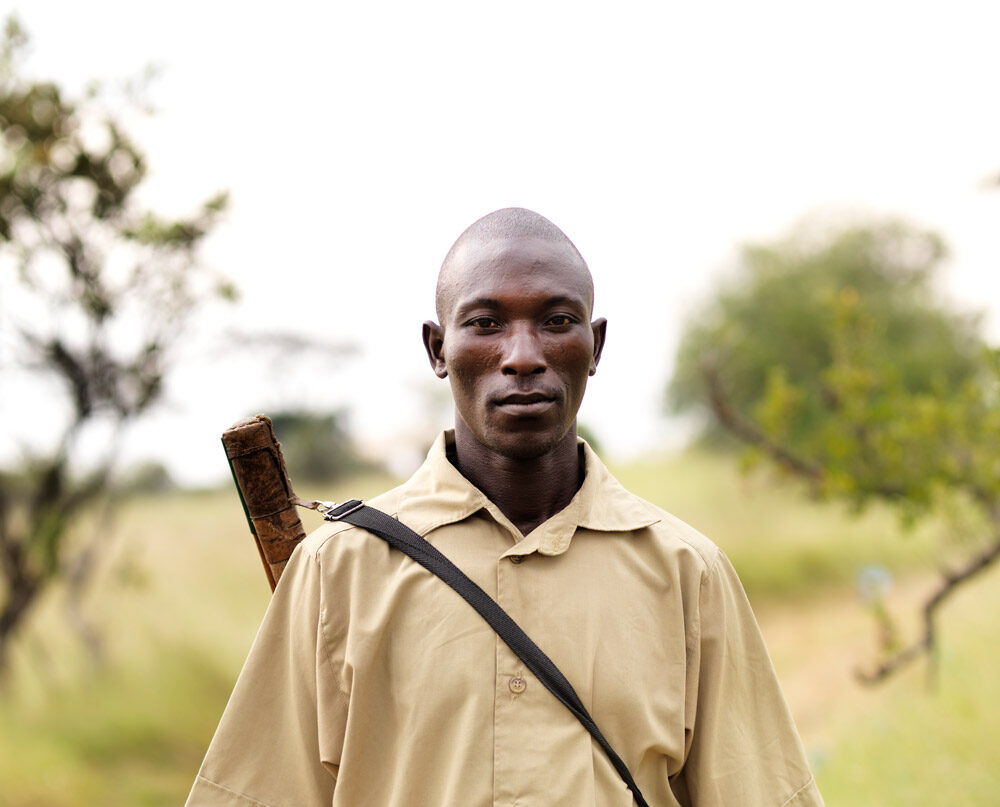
(525,403)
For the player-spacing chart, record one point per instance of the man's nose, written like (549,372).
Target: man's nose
(523,353)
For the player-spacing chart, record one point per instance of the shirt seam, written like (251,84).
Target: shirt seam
(799,792)
(437,524)
(224,789)
(710,570)
(710,562)
(692,640)
(327,642)
(426,530)
(423,531)
(343,525)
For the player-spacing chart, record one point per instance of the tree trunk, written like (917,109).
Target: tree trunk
(21,595)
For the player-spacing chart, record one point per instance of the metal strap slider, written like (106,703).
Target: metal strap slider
(335,512)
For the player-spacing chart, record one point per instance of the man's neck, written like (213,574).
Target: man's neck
(528,492)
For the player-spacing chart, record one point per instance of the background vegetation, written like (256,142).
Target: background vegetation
(830,355)
(98,291)
(180,599)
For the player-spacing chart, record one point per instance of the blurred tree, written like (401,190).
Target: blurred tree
(832,357)
(148,477)
(588,434)
(317,448)
(96,294)
(785,309)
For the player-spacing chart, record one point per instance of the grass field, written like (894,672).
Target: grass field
(180,598)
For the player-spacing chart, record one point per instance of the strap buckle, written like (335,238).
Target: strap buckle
(335,512)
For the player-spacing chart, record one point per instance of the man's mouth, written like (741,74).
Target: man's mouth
(526,403)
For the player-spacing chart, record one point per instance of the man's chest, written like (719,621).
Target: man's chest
(420,658)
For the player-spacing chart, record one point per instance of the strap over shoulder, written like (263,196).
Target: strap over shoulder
(401,537)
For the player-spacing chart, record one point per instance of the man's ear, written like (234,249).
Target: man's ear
(600,329)
(434,345)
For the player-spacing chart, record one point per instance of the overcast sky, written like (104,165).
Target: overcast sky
(359,139)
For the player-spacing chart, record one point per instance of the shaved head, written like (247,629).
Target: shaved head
(517,342)
(508,224)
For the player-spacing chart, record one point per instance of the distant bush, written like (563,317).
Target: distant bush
(318,447)
(149,477)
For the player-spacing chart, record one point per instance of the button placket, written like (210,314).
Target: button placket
(512,705)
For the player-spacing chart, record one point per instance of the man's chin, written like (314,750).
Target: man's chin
(526,446)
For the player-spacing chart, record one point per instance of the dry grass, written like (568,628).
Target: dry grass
(181,595)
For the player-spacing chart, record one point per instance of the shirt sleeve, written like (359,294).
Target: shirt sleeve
(744,747)
(267,748)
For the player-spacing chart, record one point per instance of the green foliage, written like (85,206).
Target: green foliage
(317,448)
(838,350)
(814,302)
(833,357)
(96,293)
(784,546)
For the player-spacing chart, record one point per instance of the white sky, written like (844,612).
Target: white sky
(359,139)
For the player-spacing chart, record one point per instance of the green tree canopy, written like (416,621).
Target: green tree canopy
(785,315)
(833,356)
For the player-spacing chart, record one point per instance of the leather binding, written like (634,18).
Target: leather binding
(265,491)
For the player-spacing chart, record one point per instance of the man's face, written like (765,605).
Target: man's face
(517,343)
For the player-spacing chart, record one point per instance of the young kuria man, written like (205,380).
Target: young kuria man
(372,683)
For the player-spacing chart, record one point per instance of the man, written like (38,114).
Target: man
(373,683)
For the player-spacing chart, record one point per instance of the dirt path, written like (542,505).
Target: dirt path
(817,646)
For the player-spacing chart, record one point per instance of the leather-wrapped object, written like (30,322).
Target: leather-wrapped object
(266,493)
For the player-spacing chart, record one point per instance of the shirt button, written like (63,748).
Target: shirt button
(517,685)
(516,558)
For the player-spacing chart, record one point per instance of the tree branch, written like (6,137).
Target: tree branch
(749,433)
(925,644)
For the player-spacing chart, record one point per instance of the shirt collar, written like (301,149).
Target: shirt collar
(438,494)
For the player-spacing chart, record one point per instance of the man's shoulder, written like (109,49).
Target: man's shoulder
(676,536)
(319,540)
(612,506)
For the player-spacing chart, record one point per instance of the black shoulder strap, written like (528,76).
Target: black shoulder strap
(398,535)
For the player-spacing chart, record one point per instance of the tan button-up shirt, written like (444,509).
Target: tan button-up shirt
(373,684)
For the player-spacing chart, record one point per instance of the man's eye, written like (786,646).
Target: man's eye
(484,322)
(560,320)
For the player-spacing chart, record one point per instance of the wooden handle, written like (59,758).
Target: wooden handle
(262,481)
